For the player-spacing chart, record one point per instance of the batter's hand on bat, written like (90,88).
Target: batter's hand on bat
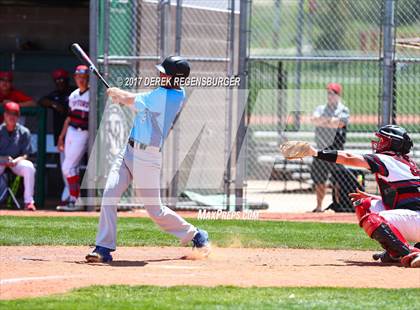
(112,92)
(121,96)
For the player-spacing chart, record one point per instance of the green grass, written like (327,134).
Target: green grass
(143,232)
(221,297)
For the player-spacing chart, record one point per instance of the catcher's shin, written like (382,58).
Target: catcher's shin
(295,149)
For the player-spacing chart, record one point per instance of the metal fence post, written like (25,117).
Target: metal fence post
(229,105)
(276,23)
(106,38)
(93,95)
(299,39)
(388,60)
(242,100)
(163,37)
(41,113)
(164,6)
(178,25)
(176,138)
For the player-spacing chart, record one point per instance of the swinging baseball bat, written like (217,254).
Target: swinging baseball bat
(83,57)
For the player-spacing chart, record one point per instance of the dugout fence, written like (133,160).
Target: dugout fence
(224,149)
(296,48)
(132,37)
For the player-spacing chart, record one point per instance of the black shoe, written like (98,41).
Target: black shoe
(71,207)
(99,255)
(201,242)
(384,257)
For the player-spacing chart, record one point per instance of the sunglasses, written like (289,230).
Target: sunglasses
(6,80)
(12,113)
(331,93)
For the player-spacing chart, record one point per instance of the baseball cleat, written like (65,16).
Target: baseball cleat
(71,207)
(415,263)
(99,255)
(384,257)
(201,242)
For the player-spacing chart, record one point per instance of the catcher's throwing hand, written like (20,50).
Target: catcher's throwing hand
(297,149)
(358,195)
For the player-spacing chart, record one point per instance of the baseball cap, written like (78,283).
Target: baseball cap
(335,87)
(81,69)
(12,107)
(59,74)
(174,66)
(6,75)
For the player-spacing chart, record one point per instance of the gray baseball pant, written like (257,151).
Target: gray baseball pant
(143,168)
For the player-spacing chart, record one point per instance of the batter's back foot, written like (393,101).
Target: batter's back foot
(99,255)
(201,242)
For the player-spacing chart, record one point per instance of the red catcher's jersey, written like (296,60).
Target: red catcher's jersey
(398,179)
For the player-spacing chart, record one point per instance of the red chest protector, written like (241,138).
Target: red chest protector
(398,179)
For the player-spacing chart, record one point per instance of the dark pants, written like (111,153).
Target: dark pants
(322,170)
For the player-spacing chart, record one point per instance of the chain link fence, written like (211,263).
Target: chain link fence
(296,49)
(287,51)
(133,37)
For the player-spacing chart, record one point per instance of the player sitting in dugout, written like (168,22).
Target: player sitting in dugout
(15,147)
(10,93)
(393,218)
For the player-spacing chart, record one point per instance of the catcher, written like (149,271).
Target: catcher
(393,218)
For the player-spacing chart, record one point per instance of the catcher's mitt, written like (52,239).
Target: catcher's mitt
(295,149)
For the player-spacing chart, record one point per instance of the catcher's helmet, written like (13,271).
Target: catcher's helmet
(392,138)
(175,66)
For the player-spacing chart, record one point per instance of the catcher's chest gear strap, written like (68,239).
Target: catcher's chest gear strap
(327,155)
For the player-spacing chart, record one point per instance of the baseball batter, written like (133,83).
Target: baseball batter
(393,218)
(73,140)
(141,163)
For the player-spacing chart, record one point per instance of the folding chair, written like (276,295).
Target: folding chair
(12,190)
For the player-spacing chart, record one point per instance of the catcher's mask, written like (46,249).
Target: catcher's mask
(392,138)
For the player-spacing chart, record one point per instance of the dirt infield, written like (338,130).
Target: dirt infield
(36,271)
(326,217)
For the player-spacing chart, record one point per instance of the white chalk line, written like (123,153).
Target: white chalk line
(25,279)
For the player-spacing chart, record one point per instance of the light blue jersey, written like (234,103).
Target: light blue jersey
(156,111)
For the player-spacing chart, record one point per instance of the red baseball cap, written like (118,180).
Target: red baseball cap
(6,75)
(59,74)
(12,107)
(335,87)
(81,69)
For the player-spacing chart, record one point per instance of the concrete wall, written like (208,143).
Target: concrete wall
(49,28)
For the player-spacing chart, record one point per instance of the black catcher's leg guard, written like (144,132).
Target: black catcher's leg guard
(386,236)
